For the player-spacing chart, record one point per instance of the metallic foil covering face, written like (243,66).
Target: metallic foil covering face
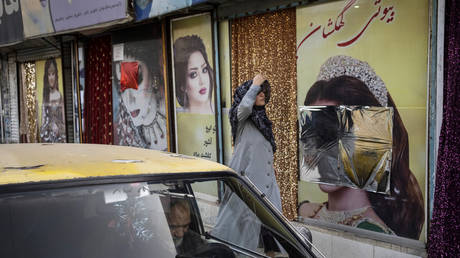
(347,146)
(266,44)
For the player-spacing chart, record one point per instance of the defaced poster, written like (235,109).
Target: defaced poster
(140,115)
(352,55)
(194,86)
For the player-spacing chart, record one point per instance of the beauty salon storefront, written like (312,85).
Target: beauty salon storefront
(364,169)
(40,85)
(354,88)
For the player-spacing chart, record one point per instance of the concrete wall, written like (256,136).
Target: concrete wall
(331,243)
(336,244)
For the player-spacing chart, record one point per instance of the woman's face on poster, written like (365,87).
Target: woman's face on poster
(140,102)
(52,75)
(198,81)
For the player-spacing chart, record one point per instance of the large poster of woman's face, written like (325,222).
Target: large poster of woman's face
(194,86)
(362,108)
(139,104)
(50,100)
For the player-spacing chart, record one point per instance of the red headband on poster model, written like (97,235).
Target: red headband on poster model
(129,75)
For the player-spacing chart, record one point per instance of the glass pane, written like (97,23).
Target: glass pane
(240,220)
(207,200)
(184,222)
(173,219)
(110,221)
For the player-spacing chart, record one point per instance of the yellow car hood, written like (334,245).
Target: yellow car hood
(25,163)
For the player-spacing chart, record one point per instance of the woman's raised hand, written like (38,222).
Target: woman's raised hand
(258,79)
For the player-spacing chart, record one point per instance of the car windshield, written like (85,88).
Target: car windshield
(180,218)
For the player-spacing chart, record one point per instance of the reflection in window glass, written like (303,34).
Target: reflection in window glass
(111,221)
(168,219)
(237,220)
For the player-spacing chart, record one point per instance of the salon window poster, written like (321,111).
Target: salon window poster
(194,86)
(140,116)
(362,94)
(50,95)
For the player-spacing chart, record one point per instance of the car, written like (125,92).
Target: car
(90,200)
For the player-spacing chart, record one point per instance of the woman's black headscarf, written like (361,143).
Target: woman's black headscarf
(258,115)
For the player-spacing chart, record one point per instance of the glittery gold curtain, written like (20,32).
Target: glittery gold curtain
(29,125)
(267,43)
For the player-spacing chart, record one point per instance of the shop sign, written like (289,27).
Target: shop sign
(36,17)
(145,9)
(11,29)
(75,14)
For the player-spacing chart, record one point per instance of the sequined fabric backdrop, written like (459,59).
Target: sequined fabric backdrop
(29,126)
(267,43)
(444,231)
(98,92)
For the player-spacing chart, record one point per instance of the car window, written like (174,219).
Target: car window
(123,220)
(240,220)
(179,218)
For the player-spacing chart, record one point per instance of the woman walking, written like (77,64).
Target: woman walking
(254,143)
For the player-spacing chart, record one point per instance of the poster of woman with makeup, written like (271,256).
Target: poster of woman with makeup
(194,86)
(352,55)
(139,92)
(50,100)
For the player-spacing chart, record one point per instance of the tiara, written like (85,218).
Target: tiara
(345,65)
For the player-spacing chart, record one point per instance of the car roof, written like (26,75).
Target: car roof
(33,162)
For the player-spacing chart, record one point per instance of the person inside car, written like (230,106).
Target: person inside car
(179,220)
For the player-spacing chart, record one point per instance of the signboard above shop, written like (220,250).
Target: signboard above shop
(74,14)
(145,9)
(11,29)
(22,19)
